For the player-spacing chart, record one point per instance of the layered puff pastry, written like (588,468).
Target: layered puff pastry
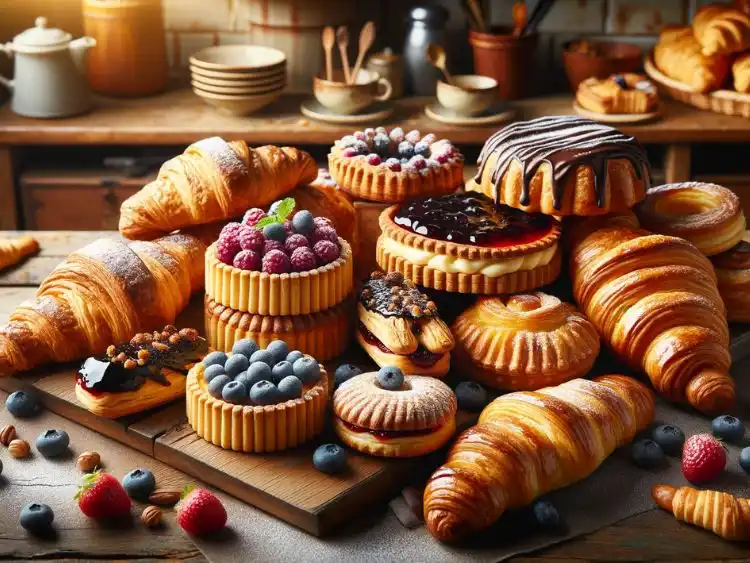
(399,326)
(413,421)
(721,29)
(12,251)
(618,94)
(733,278)
(141,374)
(563,165)
(524,341)
(679,55)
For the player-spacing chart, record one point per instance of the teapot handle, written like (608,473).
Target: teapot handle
(6,48)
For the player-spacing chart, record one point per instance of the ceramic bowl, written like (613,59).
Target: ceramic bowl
(237,74)
(237,105)
(238,58)
(248,83)
(600,59)
(470,94)
(238,90)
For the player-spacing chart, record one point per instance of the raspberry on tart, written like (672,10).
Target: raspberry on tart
(394,166)
(465,243)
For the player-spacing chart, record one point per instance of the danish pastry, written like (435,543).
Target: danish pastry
(620,93)
(722,29)
(733,278)
(563,165)
(524,342)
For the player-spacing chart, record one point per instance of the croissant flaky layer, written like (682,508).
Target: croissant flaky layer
(721,29)
(103,293)
(654,300)
(679,55)
(529,443)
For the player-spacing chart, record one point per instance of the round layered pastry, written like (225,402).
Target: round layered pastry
(618,94)
(733,275)
(524,342)
(563,165)
(465,243)
(399,326)
(281,262)
(323,335)
(708,215)
(392,166)
(416,419)
(255,399)
(141,374)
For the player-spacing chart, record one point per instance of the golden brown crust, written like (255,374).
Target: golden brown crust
(733,278)
(741,73)
(384,359)
(607,96)
(12,251)
(679,56)
(722,29)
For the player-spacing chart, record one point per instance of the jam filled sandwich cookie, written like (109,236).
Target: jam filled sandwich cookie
(399,326)
(627,93)
(390,414)
(141,374)
(392,166)
(465,243)
(257,399)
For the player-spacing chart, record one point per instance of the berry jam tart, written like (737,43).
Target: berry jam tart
(466,243)
(392,166)
(257,399)
(398,326)
(281,262)
(145,372)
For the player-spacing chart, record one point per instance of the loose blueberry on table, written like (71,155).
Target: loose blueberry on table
(670,438)
(345,372)
(139,483)
(647,454)
(745,459)
(728,428)
(36,518)
(390,378)
(546,514)
(52,443)
(471,396)
(22,404)
(330,458)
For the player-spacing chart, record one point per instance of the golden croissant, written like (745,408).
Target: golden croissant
(721,513)
(722,29)
(103,293)
(529,443)
(213,180)
(12,251)
(679,55)
(654,300)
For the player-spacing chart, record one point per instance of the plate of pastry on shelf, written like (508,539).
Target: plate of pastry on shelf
(620,98)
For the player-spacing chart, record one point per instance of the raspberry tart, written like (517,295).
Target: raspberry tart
(465,243)
(280,262)
(257,399)
(393,166)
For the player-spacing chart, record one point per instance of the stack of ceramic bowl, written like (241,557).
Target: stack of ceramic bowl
(238,79)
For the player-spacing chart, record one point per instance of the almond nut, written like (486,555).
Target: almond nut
(151,516)
(7,435)
(19,449)
(88,461)
(165,497)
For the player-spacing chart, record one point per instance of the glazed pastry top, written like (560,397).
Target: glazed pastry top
(392,295)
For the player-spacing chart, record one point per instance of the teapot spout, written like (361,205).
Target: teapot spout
(78,48)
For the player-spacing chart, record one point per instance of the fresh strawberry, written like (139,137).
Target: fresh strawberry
(200,512)
(703,458)
(101,496)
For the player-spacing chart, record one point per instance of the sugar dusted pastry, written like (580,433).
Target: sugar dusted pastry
(563,165)
(524,342)
(12,251)
(399,326)
(620,93)
(465,243)
(733,277)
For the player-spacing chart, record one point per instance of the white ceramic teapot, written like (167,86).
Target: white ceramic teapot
(49,78)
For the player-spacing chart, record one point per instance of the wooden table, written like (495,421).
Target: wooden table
(652,536)
(178,117)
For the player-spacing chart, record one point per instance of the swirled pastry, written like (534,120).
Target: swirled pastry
(733,277)
(620,93)
(524,342)
(679,56)
(722,29)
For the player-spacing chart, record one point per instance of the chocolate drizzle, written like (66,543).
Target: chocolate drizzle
(563,142)
(393,296)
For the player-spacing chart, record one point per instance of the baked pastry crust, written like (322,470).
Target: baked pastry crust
(741,73)
(12,251)
(722,29)
(524,342)
(733,278)
(679,55)
(708,215)
(638,95)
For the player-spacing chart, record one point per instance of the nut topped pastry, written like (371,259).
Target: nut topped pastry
(620,93)
(399,326)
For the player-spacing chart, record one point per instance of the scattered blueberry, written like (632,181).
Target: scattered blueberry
(546,514)
(405,149)
(293,356)
(217,384)
(345,372)
(745,459)
(281,370)
(391,378)
(471,396)
(303,222)
(263,356)
(1,467)
(381,143)
(234,392)
(265,393)
(219,358)
(139,483)
(246,347)
(213,371)
(278,349)
(647,454)
(728,428)
(36,518)
(236,364)
(258,371)
(670,438)
(52,443)
(330,458)
(307,369)
(22,404)
(290,387)
(275,231)
(619,79)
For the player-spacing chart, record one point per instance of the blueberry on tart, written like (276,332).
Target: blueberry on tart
(618,94)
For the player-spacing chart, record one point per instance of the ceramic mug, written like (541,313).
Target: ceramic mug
(469,95)
(343,98)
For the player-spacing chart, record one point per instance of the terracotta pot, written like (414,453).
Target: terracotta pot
(505,58)
(607,58)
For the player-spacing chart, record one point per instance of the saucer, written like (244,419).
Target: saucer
(497,113)
(378,111)
(615,117)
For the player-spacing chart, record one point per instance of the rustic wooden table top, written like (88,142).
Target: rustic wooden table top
(179,117)
(652,536)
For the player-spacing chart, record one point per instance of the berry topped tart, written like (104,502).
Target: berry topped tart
(618,94)
(281,262)
(393,166)
(257,399)
(141,374)
(399,326)
(466,243)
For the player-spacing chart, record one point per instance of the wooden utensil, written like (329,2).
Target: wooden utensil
(329,37)
(520,17)
(473,23)
(537,15)
(436,55)
(342,38)
(366,39)
(476,9)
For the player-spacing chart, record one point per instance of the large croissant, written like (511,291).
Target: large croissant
(213,181)
(12,251)
(721,513)
(102,294)
(679,55)
(654,300)
(529,443)
(722,29)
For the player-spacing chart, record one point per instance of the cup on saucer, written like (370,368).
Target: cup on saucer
(342,98)
(469,95)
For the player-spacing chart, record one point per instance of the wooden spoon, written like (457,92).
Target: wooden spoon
(436,55)
(342,38)
(520,17)
(476,9)
(329,38)
(366,39)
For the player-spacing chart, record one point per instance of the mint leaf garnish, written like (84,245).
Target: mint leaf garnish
(285,208)
(270,220)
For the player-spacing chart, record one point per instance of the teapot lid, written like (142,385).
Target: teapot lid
(41,36)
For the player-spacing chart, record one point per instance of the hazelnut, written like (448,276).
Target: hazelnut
(395,278)
(129,364)
(111,350)
(190,334)
(395,290)
(170,329)
(160,347)
(19,449)
(141,339)
(7,435)
(431,306)
(151,517)
(415,311)
(144,354)
(175,339)
(157,336)
(88,461)
(427,312)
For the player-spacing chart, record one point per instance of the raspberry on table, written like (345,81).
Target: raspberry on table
(272,245)
(373,159)
(324,233)
(326,251)
(303,259)
(276,262)
(252,216)
(247,260)
(295,241)
(251,239)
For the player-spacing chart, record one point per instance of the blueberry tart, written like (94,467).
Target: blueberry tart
(618,94)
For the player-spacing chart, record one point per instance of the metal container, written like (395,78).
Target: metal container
(425,25)
(391,67)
